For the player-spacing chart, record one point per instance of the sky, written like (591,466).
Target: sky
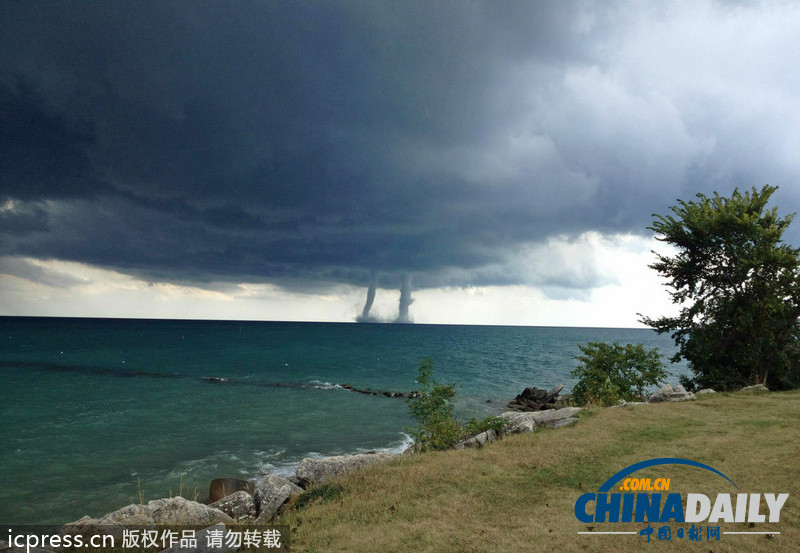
(498,161)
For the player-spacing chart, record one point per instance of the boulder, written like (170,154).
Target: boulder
(519,423)
(222,487)
(671,393)
(314,471)
(527,422)
(705,391)
(756,388)
(173,511)
(237,505)
(550,418)
(478,440)
(272,492)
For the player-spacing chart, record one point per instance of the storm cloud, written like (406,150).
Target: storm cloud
(304,143)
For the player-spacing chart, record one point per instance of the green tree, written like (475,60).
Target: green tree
(739,288)
(433,410)
(609,373)
(438,427)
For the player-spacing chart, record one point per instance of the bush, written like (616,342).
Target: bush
(610,373)
(476,426)
(438,427)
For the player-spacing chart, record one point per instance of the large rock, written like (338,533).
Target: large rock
(756,388)
(527,422)
(272,492)
(314,471)
(624,403)
(671,393)
(478,440)
(550,418)
(237,505)
(172,511)
(705,391)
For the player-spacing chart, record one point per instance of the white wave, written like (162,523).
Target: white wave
(289,468)
(318,384)
(395,448)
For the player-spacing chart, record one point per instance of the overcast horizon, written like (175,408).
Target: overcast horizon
(461,162)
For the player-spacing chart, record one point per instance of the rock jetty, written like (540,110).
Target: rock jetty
(385,393)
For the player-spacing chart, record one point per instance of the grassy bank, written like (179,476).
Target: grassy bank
(519,494)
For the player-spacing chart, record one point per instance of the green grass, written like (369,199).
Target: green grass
(518,494)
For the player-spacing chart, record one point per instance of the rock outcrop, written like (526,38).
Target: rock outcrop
(671,393)
(535,399)
(478,440)
(237,505)
(755,388)
(519,423)
(172,511)
(315,471)
(272,492)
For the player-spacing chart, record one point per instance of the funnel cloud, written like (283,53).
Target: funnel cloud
(365,317)
(405,300)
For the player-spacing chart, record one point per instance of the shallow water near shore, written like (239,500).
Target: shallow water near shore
(96,411)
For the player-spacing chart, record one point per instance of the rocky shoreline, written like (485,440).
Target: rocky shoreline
(244,502)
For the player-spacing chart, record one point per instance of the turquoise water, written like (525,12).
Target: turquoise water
(96,410)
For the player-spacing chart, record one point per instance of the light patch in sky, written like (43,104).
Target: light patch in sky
(628,287)
(619,263)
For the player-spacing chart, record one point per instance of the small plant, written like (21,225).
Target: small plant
(433,410)
(476,426)
(318,494)
(610,373)
(141,491)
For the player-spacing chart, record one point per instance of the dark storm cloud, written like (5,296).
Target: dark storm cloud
(302,142)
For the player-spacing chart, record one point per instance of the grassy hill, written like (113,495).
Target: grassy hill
(519,494)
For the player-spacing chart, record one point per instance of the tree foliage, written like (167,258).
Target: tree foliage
(739,288)
(609,373)
(433,410)
(438,427)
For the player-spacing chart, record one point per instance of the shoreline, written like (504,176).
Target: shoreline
(517,422)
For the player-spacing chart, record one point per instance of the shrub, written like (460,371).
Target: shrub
(609,373)
(476,426)
(438,427)
(433,410)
